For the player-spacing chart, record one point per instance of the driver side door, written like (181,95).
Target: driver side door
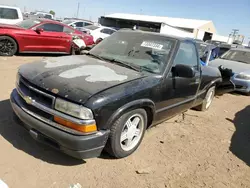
(179,93)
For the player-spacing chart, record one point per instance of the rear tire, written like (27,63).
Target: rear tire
(127,133)
(207,101)
(8,46)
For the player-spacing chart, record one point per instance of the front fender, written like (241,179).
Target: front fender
(141,103)
(225,87)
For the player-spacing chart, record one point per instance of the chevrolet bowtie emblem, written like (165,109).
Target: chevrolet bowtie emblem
(27,99)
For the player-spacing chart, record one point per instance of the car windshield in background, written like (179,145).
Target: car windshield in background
(149,52)
(237,55)
(8,13)
(28,23)
(91,27)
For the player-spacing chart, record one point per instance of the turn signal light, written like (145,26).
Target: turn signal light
(81,128)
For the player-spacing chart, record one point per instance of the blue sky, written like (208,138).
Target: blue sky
(226,14)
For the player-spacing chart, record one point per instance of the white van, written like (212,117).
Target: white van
(10,15)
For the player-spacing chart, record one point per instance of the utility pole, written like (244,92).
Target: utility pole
(235,31)
(78,6)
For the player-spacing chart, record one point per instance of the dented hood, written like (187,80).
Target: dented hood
(76,77)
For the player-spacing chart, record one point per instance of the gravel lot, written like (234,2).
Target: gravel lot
(198,149)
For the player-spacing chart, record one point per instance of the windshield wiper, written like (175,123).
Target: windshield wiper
(117,61)
(124,64)
(96,56)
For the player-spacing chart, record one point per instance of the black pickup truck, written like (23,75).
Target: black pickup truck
(108,97)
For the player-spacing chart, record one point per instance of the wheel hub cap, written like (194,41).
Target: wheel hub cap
(132,132)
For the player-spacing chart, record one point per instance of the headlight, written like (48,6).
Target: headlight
(73,109)
(243,76)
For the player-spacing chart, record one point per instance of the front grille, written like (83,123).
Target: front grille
(40,105)
(35,110)
(40,97)
(35,94)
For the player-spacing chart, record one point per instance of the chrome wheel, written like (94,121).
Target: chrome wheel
(132,132)
(209,98)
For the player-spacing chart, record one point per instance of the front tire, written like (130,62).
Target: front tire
(208,100)
(127,133)
(8,46)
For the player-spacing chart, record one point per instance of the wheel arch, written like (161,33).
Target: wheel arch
(146,104)
(214,82)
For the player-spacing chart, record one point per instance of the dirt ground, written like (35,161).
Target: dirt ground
(199,149)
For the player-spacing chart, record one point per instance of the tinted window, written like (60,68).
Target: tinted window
(111,32)
(8,13)
(52,27)
(79,24)
(223,50)
(86,24)
(67,30)
(186,55)
(106,31)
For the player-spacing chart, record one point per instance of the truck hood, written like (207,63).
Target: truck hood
(76,78)
(237,67)
(9,26)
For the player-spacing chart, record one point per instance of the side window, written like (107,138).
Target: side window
(52,27)
(105,31)
(187,55)
(79,24)
(67,30)
(111,32)
(86,24)
(8,13)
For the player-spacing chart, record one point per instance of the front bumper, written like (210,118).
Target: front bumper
(241,85)
(77,146)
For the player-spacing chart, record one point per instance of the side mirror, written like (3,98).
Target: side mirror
(183,71)
(39,30)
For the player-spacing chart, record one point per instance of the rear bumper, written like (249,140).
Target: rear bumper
(77,146)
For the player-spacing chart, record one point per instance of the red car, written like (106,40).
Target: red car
(39,36)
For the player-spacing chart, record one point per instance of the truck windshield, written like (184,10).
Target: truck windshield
(237,55)
(150,52)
